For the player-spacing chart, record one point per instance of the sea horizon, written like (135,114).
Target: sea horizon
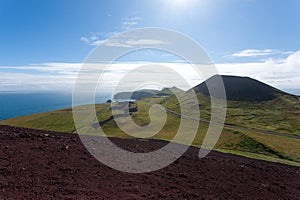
(22,103)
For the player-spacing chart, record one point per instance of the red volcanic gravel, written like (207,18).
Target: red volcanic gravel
(47,165)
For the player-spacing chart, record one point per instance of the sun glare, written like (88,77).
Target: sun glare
(181,4)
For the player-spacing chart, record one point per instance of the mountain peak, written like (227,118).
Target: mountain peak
(240,88)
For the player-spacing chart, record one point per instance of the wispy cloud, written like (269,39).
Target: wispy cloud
(128,23)
(121,42)
(257,53)
(45,68)
(85,40)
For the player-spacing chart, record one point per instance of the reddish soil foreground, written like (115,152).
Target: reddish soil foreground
(45,165)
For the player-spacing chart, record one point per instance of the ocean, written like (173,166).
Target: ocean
(20,104)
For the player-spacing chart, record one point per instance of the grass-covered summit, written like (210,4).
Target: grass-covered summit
(240,88)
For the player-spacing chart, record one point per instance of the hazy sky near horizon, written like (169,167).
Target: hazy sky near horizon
(43,43)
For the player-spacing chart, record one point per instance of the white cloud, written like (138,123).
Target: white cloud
(46,68)
(96,39)
(283,74)
(85,40)
(35,82)
(130,22)
(110,43)
(257,53)
(62,76)
(121,42)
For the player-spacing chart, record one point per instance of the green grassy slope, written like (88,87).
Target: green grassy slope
(278,115)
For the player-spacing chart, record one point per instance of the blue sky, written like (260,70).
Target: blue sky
(46,33)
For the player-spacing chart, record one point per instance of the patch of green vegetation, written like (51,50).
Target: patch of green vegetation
(280,114)
(249,144)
